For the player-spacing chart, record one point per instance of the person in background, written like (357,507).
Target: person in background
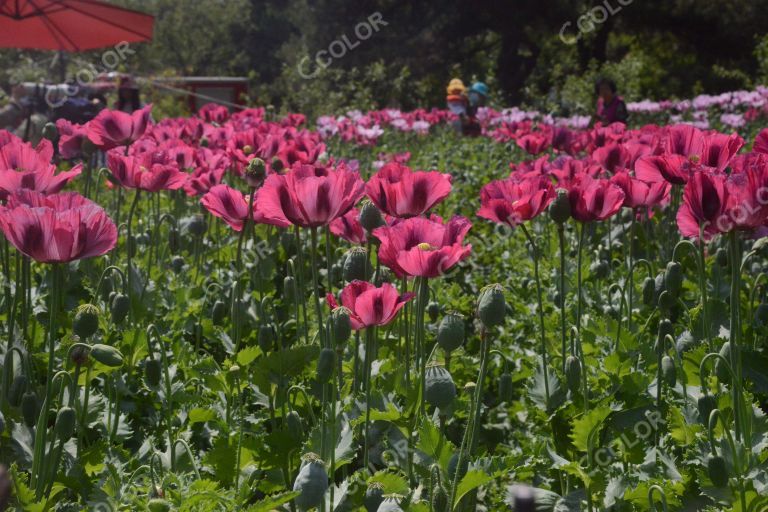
(457,102)
(12,114)
(478,97)
(610,107)
(128,99)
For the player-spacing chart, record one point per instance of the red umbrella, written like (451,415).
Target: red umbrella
(70,25)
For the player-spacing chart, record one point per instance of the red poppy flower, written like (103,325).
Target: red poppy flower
(423,247)
(594,199)
(638,193)
(71,137)
(309,195)
(57,228)
(139,172)
(675,169)
(113,128)
(231,206)
(370,306)
(512,202)
(401,192)
(705,203)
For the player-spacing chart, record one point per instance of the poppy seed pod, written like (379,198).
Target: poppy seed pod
(159,505)
(86,321)
(391,503)
(50,132)
(370,216)
(374,495)
(439,388)
(277,164)
(491,306)
(560,208)
(450,332)
(311,482)
(356,265)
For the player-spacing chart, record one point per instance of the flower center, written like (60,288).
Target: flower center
(424,246)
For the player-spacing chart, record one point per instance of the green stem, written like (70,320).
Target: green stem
(544,363)
(563,335)
(735,255)
(370,333)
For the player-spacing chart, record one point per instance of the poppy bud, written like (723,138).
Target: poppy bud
(706,404)
(600,269)
(326,362)
(439,497)
(370,216)
(673,278)
(666,301)
(29,408)
(79,355)
(120,306)
(342,328)
(198,226)
(356,265)
(573,373)
(294,426)
(16,389)
(159,505)
(218,312)
(65,423)
(491,306)
(86,321)
(50,132)
(560,207)
(721,370)
(106,355)
(505,387)
(152,371)
(433,309)
(289,288)
(266,337)
(450,333)
(717,470)
(277,165)
(255,172)
(668,372)
(721,257)
(649,291)
(665,328)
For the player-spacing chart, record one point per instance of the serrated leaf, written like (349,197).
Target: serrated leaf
(248,355)
(200,415)
(392,482)
(587,425)
(273,502)
(472,480)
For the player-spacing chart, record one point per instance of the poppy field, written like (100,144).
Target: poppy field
(254,311)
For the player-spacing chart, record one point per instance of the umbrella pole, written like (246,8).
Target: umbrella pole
(62,66)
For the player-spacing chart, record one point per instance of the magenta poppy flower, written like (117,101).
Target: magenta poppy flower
(231,206)
(612,156)
(57,228)
(71,137)
(113,128)
(401,192)
(594,199)
(761,142)
(675,169)
(139,172)
(23,167)
(423,247)
(349,228)
(705,203)
(513,202)
(641,194)
(370,306)
(309,195)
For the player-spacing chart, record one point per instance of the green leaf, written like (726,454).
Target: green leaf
(248,355)
(681,431)
(472,480)
(392,482)
(200,415)
(587,426)
(273,502)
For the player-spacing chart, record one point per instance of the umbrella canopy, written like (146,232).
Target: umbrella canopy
(70,25)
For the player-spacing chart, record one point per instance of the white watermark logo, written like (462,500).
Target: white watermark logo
(590,20)
(338,48)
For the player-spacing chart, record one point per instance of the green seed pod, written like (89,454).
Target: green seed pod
(668,372)
(370,216)
(439,498)
(218,312)
(560,207)
(649,291)
(721,370)
(326,363)
(491,306)
(311,482)
(374,495)
(106,355)
(573,373)
(255,172)
(439,389)
(197,226)
(433,309)
(65,423)
(450,333)
(289,289)
(86,321)
(153,370)
(706,404)
(717,471)
(673,278)
(177,264)
(277,164)
(121,304)
(266,337)
(505,387)
(342,328)
(356,265)
(294,426)
(721,257)
(16,389)
(29,408)
(761,315)
(159,505)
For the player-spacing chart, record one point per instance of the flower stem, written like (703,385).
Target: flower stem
(544,364)
(369,342)
(564,340)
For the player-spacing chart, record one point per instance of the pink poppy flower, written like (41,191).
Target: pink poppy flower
(113,128)
(401,192)
(349,228)
(368,305)
(594,199)
(423,247)
(57,228)
(513,202)
(139,172)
